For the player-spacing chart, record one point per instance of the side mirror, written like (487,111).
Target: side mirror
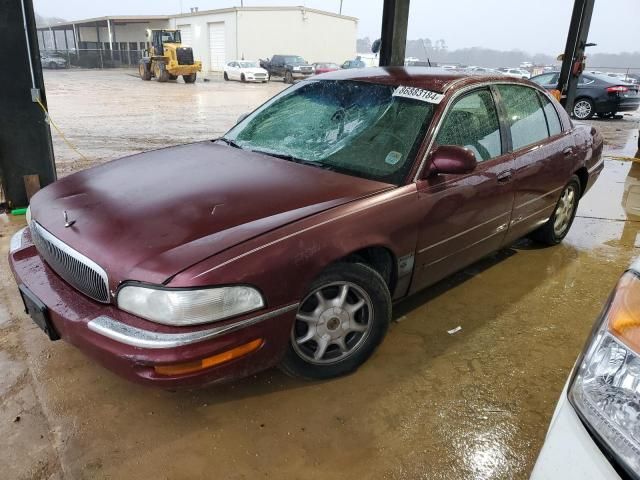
(451,159)
(375,46)
(242,117)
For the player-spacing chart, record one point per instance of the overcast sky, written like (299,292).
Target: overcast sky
(535,27)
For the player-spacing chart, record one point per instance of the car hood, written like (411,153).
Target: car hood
(253,70)
(149,216)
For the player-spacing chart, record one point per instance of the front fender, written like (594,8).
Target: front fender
(284,262)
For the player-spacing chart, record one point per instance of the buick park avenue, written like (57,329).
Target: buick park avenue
(287,241)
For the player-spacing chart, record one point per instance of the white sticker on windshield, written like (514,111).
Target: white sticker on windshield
(418,94)
(393,157)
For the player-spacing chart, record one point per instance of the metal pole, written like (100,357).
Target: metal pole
(25,151)
(395,18)
(110,37)
(574,52)
(340,7)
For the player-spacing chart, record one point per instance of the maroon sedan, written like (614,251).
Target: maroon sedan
(286,241)
(325,67)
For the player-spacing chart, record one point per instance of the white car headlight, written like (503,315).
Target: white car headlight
(188,307)
(27,215)
(296,69)
(605,390)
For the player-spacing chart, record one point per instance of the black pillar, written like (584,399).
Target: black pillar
(573,58)
(25,139)
(395,17)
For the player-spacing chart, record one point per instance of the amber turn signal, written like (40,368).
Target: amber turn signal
(208,362)
(624,312)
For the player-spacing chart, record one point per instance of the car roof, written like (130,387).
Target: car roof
(428,78)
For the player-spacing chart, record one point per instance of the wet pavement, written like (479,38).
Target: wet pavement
(428,404)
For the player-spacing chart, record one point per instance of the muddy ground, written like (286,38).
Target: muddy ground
(472,405)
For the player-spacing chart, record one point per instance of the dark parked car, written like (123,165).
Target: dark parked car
(597,94)
(286,241)
(289,67)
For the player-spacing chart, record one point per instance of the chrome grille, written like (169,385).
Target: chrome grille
(76,269)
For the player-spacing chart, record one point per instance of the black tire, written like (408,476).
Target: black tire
(243,79)
(161,74)
(362,283)
(548,234)
(583,108)
(226,77)
(288,77)
(145,73)
(191,78)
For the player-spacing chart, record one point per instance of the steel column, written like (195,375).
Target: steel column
(574,52)
(395,18)
(25,139)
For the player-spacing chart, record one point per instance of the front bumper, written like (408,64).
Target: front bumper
(569,452)
(299,75)
(131,346)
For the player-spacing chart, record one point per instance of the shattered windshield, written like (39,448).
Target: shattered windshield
(351,127)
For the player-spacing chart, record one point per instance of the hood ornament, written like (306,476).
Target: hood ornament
(67,223)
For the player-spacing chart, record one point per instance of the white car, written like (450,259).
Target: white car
(245,71)
(595,430)
(516,73)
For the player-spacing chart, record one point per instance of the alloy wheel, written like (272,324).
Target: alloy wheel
(582,109)
(564,210)
(332,323)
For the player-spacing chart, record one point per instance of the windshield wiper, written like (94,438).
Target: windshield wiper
(229,142)
(293,159)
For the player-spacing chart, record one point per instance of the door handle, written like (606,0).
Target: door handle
(505,176)
(567,151)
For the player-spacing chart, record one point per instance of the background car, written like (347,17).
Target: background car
(483,71)
(53,61)
(516,72)
(289,67)
(595,429)
(596,94)
(245,71)
(353,64)
(324,67)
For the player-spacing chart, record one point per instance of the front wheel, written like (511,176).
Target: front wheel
(243,78)
(583,109)
(558,225)
(191,78)
(226,77)
(144,72)
(288,77)
(339,323)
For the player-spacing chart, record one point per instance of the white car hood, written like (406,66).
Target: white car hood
(253,70)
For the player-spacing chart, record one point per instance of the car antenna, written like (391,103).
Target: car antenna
(428,61)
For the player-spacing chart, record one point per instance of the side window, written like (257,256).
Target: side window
(524,114)
(553,121)
(472,122)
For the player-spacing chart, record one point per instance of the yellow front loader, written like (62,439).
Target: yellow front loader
(167,58)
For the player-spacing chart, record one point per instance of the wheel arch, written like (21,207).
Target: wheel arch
(583,175)
(380,258)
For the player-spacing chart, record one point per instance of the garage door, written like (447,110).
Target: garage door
(216,46)
(185,33)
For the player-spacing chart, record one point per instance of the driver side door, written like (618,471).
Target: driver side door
(466,216)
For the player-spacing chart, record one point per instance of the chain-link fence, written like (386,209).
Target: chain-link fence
(91,58)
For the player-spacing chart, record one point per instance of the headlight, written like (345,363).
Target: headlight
(296,69)
(188,307)
(27,215)
(606,387)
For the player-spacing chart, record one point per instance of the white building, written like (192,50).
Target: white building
(217,36)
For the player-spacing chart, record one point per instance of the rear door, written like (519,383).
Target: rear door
(544,156)
(465,216)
